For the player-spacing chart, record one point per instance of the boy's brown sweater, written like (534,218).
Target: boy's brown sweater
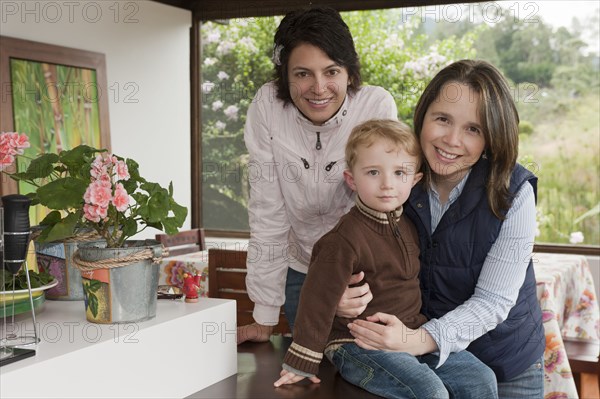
(383,246)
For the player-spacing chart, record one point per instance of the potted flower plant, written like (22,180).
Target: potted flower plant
(58,182)
(94,189)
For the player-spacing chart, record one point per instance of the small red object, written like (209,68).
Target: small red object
(191,285)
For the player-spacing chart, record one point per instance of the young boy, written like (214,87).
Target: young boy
(383,160)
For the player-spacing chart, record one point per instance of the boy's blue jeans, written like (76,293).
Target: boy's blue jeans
(400,375)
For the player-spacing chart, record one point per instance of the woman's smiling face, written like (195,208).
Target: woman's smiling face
(452,137)
(318,85)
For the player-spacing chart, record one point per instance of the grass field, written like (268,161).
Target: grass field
(564,151)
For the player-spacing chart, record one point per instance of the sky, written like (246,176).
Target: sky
(561,13)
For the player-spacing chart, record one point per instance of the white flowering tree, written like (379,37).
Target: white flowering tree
(236,62)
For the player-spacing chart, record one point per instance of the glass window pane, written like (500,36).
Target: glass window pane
(550,59)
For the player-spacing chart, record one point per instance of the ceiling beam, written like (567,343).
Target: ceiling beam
(206,10)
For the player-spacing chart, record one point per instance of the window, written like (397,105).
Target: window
(554,72)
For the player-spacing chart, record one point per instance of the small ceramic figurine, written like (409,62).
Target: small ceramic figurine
(191,284)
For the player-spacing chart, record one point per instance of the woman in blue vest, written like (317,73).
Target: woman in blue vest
(475,213)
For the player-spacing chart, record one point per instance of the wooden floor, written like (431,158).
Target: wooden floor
(259,365)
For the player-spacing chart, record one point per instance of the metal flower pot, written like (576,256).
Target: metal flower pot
(115,292)
(56,258)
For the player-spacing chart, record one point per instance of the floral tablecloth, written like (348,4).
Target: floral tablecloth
(567,296)
(172,270)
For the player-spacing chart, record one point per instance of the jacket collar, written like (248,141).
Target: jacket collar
(379,217)
(333,123)
(470,197)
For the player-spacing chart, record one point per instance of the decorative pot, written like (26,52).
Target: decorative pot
(119,284)
(56,258)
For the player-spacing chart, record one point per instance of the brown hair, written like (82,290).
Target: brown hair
(396,132)
(322,27)
(499,121)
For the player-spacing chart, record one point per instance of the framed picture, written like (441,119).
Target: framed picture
(56,95)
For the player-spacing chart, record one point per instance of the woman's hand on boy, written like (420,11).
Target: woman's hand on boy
(354,301)
(287,377)
(254,333)
(386,332)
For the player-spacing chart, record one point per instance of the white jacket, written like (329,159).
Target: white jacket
(297,192)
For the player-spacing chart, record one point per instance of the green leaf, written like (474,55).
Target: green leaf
(133,169)
(129,227)
(63,193)
(151,188)
(79,159)
(94,285)
(93,302)
(59,230)
(41,166)
(179,212)
(155,225)
(158,206)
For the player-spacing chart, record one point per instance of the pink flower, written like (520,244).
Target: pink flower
(121,198)
(94,213)
(11,144)
(14,143)
(104,180)
(99,167)
(5,160)
(122,171)
(98,193)
(20,142)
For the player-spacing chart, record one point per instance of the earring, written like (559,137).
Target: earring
(484,154)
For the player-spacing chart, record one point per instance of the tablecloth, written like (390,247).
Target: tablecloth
(567,296)
(172,270)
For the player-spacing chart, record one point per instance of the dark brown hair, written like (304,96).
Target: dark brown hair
(322,27)
(499,120)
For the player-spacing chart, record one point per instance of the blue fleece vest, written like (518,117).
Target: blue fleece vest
(451,261)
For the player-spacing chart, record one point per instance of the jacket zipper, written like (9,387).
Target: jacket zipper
(318,146)
(394,224)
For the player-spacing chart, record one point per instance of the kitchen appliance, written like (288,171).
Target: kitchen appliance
(14,241)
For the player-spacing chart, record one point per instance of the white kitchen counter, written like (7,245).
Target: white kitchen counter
(185,348)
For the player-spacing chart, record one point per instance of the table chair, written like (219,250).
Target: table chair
(183,242)
(227,279)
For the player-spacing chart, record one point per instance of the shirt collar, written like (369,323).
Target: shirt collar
(456,191)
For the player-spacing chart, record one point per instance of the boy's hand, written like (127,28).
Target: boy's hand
(287,377)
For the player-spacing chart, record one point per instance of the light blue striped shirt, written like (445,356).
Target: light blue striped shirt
(502,274)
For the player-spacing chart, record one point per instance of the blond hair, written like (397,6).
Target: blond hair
(396,132)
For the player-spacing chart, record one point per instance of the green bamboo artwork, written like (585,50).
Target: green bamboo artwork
(57,107)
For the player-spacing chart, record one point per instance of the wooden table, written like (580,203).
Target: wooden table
(259,365)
